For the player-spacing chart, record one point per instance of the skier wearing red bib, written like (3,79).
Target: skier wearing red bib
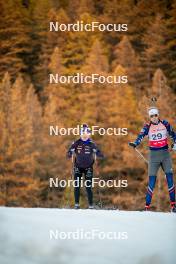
(157,131)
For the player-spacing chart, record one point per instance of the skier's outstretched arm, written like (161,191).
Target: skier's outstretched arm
(142,134)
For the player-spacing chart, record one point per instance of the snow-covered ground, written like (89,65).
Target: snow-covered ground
(41,236)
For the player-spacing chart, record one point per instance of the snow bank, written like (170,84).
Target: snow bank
(33,236)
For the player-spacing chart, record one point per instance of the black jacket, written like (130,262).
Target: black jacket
(85,152)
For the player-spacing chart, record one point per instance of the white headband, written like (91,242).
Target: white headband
(153,111)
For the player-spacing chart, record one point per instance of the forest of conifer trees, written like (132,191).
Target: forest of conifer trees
(29,104)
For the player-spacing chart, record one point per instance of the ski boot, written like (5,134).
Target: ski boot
(77,206)
(173,208)
(91,206)
(147,208)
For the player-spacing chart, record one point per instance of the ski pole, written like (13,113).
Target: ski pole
(141,155)
(99,193)
(72,177)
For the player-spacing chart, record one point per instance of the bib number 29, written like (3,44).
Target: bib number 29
(156,136)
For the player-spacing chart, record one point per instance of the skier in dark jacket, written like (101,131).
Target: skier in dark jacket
(84,150)
(157,131)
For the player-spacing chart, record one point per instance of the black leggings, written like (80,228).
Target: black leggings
(88,172)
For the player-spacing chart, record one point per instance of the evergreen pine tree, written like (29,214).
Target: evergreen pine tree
(125,55)
(155,54)
(14,27)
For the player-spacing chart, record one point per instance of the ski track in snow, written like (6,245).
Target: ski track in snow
(25,237)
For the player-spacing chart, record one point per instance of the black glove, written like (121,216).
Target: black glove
(132,144)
